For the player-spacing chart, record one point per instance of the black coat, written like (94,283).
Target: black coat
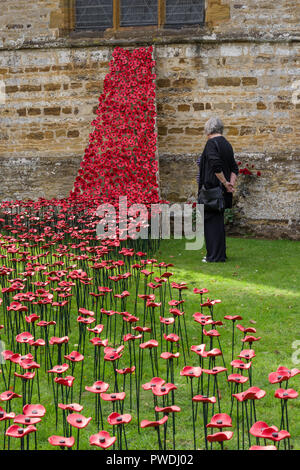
(217,157)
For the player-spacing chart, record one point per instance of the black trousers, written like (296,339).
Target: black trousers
(214,233)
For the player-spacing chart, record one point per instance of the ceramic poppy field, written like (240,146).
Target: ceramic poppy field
(103,343)
(98,350)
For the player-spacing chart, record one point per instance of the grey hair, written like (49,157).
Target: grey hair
(214,126)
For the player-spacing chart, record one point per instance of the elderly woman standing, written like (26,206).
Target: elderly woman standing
(217,166)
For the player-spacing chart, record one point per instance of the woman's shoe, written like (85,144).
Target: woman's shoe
(204,260)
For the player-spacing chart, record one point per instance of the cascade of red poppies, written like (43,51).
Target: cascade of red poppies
(120,158)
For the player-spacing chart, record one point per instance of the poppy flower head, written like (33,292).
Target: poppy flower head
(116,419)
(61,441)
(102,439)
(191,371)
(16,431)
(98,387)
(220,420)
(154,424)
(220,436)
(78,421)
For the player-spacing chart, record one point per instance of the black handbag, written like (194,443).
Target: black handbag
(212,198)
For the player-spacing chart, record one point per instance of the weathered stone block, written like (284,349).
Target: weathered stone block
(72,134)
(55,111)
(183,107)
(223,81)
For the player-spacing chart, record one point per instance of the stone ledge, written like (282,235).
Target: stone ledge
(203,37)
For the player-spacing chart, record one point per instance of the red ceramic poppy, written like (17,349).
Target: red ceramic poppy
(86,320)
(16,431)
(115,419)
(9,395)
(85,312)
(163,390)
(172,338)
(204,399)
(99,342)
(113,396)
(44,323)
(250,329)
(126,370)
(26,420)
(200,291)
(168,355)
(74,356)
(220,420)
(250,339)
(78,421)
(25,376)
(278,377)
(212,353)
(240,364)
(130,337)
(6,354)
(179,286)
(61,441)
(98,387)
(211,333)
(71,407)
(202,319)
(66,381)
(32,318)
(155,382)
(24,337)
(34,411)
(263,448)
(198,349)
(233,317)
(154,424)
(102,439)
(142,329)
(247,354)
(112,356)
(214,371)
(167,409)
(167,321)
(237,378)
(6,416)
(290,372)
(210,303)
(253,393)
(56,340)
(97,329)
(176,312)
(16,358)
(258,428)
(59,369)
(152,343)
(220,436)
(286,393)
(109,350)
(269,433)
(38,342)
(28,364)
(191,371)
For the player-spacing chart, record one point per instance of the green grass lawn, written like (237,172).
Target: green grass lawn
(260,281)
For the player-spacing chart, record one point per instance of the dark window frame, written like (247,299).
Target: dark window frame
(116,24)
